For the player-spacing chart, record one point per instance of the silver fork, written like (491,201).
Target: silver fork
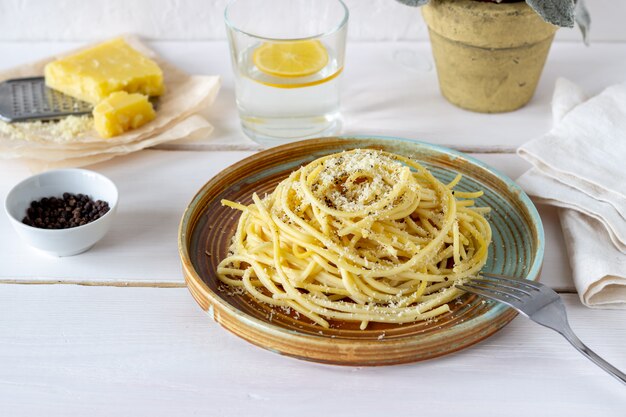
(540,304)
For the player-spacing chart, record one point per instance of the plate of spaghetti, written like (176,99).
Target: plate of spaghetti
(347,250)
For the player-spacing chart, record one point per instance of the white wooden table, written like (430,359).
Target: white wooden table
(114,332)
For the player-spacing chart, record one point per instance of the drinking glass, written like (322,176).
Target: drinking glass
(287,56)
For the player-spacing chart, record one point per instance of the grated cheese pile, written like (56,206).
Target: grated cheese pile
(353,181)
(64,130)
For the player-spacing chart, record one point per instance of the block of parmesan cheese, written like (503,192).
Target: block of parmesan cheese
(121,112)
(91,75)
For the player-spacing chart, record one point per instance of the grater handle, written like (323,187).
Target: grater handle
(5,102)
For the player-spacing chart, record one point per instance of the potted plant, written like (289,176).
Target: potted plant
(489,54)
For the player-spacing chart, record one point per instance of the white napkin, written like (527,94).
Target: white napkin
(599,268)
(581,165)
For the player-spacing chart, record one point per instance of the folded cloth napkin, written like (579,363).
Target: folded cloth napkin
(579,165)
(599,267)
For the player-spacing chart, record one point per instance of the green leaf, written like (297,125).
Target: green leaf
(413,3)
(557,12)
(583,20)
(561,13)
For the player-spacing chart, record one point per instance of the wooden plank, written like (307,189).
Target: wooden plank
(389,88)
(155,187)
(198,19)
(101,351)
(408,103)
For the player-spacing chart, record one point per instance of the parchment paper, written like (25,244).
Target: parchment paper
(43,147)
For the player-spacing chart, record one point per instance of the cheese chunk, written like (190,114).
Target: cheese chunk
(121,112)
(91,75)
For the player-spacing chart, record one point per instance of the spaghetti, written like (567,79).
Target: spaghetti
(362,235)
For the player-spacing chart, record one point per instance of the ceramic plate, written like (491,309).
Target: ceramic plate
(206,229)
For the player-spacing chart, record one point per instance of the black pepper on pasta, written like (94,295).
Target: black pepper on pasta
(362,235)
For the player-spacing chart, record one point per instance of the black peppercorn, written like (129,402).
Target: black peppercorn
(64,212)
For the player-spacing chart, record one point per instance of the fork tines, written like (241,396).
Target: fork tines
(508,290)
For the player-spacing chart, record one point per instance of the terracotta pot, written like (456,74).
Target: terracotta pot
(489,56)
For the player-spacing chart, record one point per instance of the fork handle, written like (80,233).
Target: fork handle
(592,356)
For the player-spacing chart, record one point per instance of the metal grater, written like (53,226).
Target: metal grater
(26,99)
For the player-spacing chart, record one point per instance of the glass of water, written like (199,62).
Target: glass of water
(287,57)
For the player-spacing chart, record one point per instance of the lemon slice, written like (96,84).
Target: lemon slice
(290,59)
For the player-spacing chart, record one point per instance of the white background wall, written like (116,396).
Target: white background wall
(40,20)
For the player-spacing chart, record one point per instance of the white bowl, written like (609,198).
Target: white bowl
(62,242)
